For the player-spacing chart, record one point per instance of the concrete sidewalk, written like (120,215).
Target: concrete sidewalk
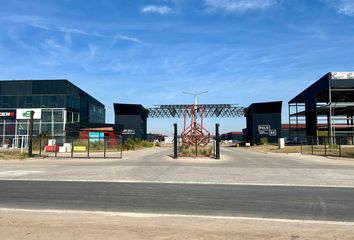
(237,166)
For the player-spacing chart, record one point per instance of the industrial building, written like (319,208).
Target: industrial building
(131,118)
(234,137)
(263,120)
(56,105)
(326,107)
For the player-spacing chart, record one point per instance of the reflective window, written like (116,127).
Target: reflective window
(46,128)
(28,102)
(69,116)
(46,116)
(58,129)
(58,116)
(45,101)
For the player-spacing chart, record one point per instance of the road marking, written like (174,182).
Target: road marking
(155,215)
(17,173)
(179,182)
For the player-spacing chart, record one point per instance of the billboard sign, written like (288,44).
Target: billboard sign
(9,114)
(342,75)
(25,113)
(263,129)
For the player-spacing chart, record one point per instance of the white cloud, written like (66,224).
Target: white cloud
(239,5)
(156,9)
(130,39)
(346,7)
(78,31)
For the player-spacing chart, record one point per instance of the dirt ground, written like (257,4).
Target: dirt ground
(12,155)
(70,225)
(274,148)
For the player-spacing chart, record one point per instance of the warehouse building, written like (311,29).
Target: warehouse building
(263,121)
(131,119)
(234,137)
(57,104)
(326,108)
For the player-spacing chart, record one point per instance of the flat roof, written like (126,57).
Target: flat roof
(264,107)
(30,81)
(129,109)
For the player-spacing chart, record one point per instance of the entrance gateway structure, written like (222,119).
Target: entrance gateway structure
(194,134)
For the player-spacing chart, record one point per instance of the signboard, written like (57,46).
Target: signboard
(128,132)
(96,136)
(263,129)
(7,114)
(342,75)
(25,113)
(273,132)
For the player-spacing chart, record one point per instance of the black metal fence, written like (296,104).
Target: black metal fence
(329,146)
(75,147)
(196,151)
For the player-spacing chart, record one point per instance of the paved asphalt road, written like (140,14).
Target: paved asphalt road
(335,204)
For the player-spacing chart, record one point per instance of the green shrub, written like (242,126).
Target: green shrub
(135,144)
(190,150)
(264,140)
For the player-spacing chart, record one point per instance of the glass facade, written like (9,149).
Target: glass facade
(60,102)
(42,101)
(51,124)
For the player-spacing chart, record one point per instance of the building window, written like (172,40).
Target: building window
(28,102)
(58,116)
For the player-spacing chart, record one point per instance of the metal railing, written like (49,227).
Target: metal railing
(328,146)
(75,147)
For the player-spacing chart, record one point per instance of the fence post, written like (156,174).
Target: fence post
(340,146)
(175,141)
(72,147)
(40,146)
(301,147)
(217,139)
(104,147)
(312,146)
(55,149)
(325,146)
(121,147)
(30,134)
(88,146)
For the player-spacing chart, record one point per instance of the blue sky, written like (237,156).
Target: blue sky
(149,52)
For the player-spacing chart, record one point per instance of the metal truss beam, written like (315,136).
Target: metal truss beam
(210,111)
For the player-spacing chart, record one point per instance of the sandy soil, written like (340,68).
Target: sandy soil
(274,148)
(64,226)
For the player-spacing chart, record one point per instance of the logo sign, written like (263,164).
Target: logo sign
(263,129)
(7,114)
(128,132)
(25,113)
(273,132)
(342,75)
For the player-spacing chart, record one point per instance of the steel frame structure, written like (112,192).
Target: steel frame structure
(194,134)
(327,105)
(209,111)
